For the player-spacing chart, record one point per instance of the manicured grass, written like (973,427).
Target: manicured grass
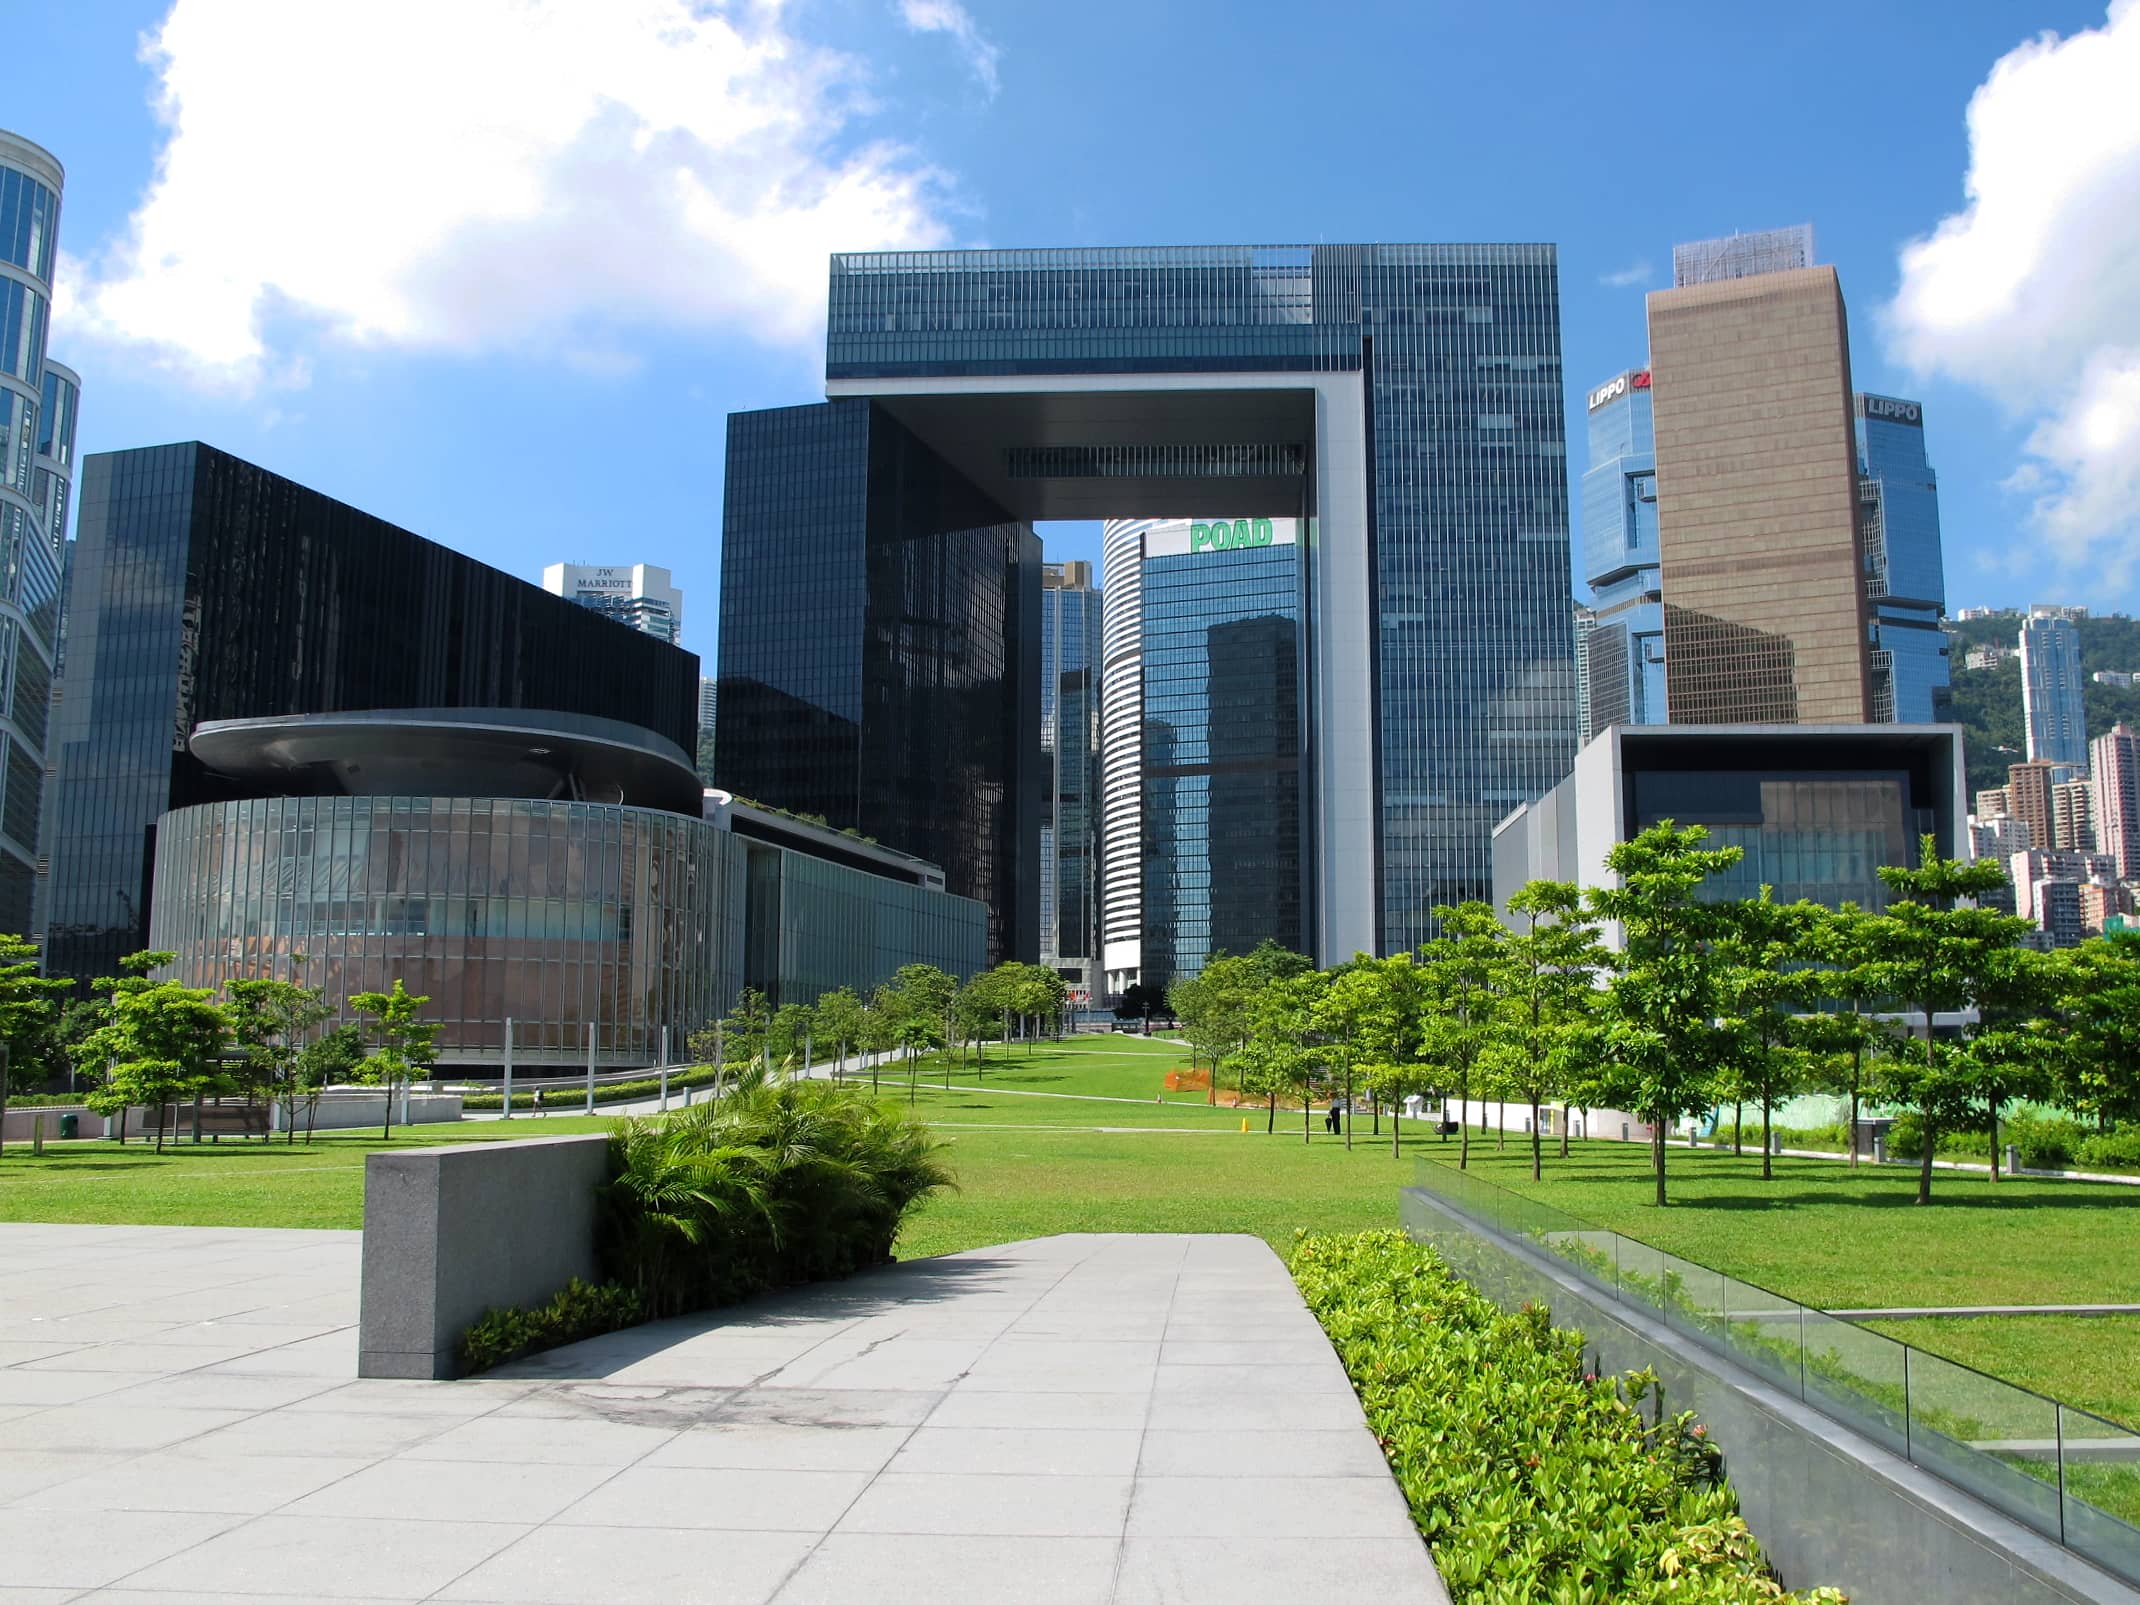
(1842,1239)
(2092,1361)
(229,1183)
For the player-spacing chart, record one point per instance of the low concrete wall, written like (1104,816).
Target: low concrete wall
(450,1232)
(352,1111)
(1828,1505)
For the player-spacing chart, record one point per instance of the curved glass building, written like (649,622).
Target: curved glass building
(561,872)
(37,412)
(555,915)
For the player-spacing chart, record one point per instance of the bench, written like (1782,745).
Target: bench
(215,1120)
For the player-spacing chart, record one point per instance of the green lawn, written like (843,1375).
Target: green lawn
(1091,1161)
(1842,1239)
(2092,1361)
(229,1183)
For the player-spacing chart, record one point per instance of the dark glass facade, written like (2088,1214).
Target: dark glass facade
(1070,747)
(1906,579)
(206,588)
(880,651)
(1469,660)
(1223,758)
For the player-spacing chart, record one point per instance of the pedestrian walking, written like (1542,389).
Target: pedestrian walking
(1330,1121)
(540,1107)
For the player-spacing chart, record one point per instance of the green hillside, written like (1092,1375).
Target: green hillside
(1987,702)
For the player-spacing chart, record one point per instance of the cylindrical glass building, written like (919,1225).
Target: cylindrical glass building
(1121,749)
(555,915)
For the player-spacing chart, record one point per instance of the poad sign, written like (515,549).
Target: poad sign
(1224,536)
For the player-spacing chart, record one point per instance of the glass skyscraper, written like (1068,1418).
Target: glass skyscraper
(880,650)
(1905,578)
(1405,400)
(1623,674)
(205,588)
(2052,712)
(1223,776)
(1122,749)
(38,403)
(1070,755)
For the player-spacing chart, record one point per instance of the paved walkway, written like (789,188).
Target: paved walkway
(1090,1418)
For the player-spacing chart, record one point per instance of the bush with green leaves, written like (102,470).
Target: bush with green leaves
(2117,1149)
(777,1182)
(1529,1479)
(579,1310)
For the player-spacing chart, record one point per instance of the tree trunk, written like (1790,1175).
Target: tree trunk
(1657,1153)
(1270,1123)
(1348,1108)
(1536,1162)
(386,1128)
(1565,1123)
(1857,1073)
(1992,1103)
(1397,1128)
(1924,1169)
(1307,1108)
(1463,1130)
(1768,1170)
(1738,1127)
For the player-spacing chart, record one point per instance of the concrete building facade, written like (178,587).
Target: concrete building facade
(1763,569)
(638,595)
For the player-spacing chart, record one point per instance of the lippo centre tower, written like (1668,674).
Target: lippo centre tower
(1400,403)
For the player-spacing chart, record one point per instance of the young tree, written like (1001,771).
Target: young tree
(1459,1007)
(1836,1039)
(2012,1053)
(270,1021)
(163,1043)
(1936,951)
(1658,1034)
(90,1049)
(402,1042)
(1279,1054)
(1765,951)
(840,1019)
(1548,978)
(332,1057)
(744,1027)
(2098,1008)
(786,1033)
(29,1016)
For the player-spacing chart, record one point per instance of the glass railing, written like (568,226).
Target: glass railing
(2065,1473)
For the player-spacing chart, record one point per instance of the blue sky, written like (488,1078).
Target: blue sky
(501,284)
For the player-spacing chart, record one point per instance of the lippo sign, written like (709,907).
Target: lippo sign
(1892,408)
(1614,389)
(1220,535)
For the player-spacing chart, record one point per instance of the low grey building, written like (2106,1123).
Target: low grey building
(1817,808)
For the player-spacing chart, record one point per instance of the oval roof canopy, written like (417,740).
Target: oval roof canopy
(451,752)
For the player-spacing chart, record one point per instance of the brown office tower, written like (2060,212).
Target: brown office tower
(1757,500)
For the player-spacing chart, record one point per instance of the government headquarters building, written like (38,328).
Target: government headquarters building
(1388,682)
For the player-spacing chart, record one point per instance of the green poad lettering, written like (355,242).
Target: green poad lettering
(1224,536)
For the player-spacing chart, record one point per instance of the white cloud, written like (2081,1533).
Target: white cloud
(491,174)
(1626,278)
(948,16)
(2031,293)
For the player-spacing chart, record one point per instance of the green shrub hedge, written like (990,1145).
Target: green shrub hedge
(577,1311)
(1820,1139)
(2116,1149)
(776,1182)
(1530,1480)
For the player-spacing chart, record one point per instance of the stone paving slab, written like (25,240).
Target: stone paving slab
(1078,1420)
